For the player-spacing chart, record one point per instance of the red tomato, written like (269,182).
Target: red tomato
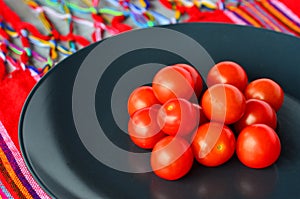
(257,112)
(141,97)
(171,158)
(223,103)
(202,118)
(258,146)
(266,90)
(213,144)
(173,82)
(228,72)
(143,128)
(177,116)
(198,83)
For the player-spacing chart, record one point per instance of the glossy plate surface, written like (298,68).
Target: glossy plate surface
(60,162)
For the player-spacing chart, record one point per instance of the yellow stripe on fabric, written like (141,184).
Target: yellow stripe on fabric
(87,2)
(207,4)
(280,16)
(177,14)
(143,3)
(38,39)
(30,2)
(45,22)
(41,16)
(13,175)
(245,16)
(11,33)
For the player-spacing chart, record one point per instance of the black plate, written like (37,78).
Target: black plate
(59,161)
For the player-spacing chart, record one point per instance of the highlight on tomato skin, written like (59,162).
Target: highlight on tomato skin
(213,144)
(141,97)
(267,90)
(178,116)
(227,72)
(143,129)
(171,158)
(258,146)
(198,82)
(173,82)
(257,112)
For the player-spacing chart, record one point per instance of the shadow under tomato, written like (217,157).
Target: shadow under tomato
(287,117)
(201,182)
(229,181)
(138,159)
(256,183)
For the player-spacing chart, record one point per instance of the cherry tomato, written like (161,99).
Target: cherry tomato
(141,97)
(258,146)
(228,72)
(257,112)
(266,90)
(171,158)
(213,144)
(198,83)
(173,82)
(202,118)
(178,116)
(223,103)
(143,128)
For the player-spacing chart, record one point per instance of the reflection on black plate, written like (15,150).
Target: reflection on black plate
(61,164)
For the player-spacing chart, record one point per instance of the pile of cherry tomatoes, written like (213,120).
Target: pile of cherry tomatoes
(181,121)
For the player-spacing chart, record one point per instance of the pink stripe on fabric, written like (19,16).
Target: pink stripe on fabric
(2,195)
(5,192)
(286,10)
(273,20)
(21,163)
(251,11)
(234,18)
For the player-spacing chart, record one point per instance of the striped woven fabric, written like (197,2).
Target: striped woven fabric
(17,183)
(282,16)
(270,14)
